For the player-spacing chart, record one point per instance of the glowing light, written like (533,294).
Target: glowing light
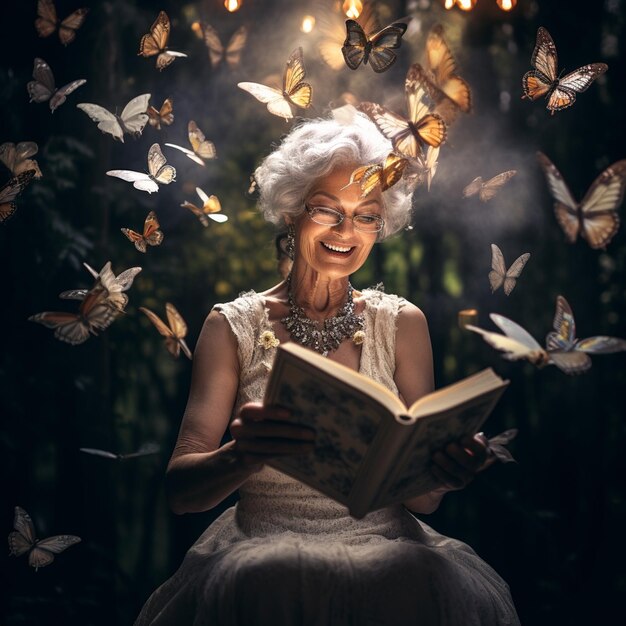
(308,22)
(232,5)
(449,4)
(196,27)
(352,8)
(466,5)
(506,5)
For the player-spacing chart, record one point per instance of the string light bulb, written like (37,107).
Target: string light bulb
(352,8)
(308,22)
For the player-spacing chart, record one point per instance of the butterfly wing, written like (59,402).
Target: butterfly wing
(136,238)
(598,209)
(517,333)
(10,191)
(498,268)
(564,93)
(126,278)
(140,181)
(61,94)
(159,324)
(473,188)
(273,98)
(566,208)
(69,26)
(134,116)
(213,43)
(179,328)
(167,58)
(201,146)
(163,116)
(382,45)
(151,233)
(235,47)
(563,337)
(430,127)
(107,122)
(513,348)
(103,453)
(155,41)
(544,60)
(158,167)
(47,20)
(355,44)
(43,552)
(514,272)
(24,536)
(197,212)
(294,89)
(42,87)
(16,158)
(489,189)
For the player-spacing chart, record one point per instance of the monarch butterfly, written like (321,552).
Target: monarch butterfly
(486,190)
(452,92)
(295,92)
(151,234)
(41,552)
(159,172)
(499,276)
(164,115)
(202,147)
(144,450)
(570,354)
(231,53)
(385,175)
(211,208)
(47,21)
(42,88)
(377,48)
(543,80)
(131,120)
(17,157)
(422,127)
(174,333)
(155,42)
(595,218)
(12,190)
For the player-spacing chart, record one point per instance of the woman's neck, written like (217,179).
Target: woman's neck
(321,297)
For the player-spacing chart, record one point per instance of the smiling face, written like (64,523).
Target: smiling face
(336,251)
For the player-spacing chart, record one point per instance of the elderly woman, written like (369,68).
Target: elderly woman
(286,554)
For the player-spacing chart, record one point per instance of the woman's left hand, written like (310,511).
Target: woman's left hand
(456,465)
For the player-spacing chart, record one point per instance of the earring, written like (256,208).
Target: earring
(290,244)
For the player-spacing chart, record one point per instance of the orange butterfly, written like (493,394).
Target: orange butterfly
(543,80)
(202,147)
(41,552)
(385,175)
(422,127)
(164,115)
(453,93)
(151,234)
(174,333)
(211,208)
(10,191)
(155,42)
(47,22)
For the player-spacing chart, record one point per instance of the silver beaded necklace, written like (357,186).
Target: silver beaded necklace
(306,331)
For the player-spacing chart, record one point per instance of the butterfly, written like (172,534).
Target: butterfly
(151,234)
(17,157)
(570,354)
(42,88)
(544,81)
(144,450)
(211,208)
(47,22)
(159,172)
(114,285)
(422,168)
(164,115)
(174,333)
(12,190)
(486,190)
(202,147)
(217,52)
(295,92)
(131,121)
(453,93)
(421,128)
(499,275)
(595,218)
(40,551)
(496,445)
(377,48)
(385,175)
(155,42)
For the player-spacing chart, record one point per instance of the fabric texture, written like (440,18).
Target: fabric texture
(286,554)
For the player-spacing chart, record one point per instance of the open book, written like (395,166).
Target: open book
(371,451)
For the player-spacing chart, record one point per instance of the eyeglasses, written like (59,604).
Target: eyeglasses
(326,216)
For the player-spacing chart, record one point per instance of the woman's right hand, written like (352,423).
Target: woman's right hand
(261,433)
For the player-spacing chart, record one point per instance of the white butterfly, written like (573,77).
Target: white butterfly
(159,172)
(499,275)
(40,551)
(486,190)
(131,121)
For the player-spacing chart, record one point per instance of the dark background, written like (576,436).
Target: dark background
(552,525)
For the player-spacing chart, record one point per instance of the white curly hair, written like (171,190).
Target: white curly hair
(310,151)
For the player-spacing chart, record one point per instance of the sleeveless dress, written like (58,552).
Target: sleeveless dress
(286,554)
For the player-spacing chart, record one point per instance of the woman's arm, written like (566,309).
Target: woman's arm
(455,466)
(200,473)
